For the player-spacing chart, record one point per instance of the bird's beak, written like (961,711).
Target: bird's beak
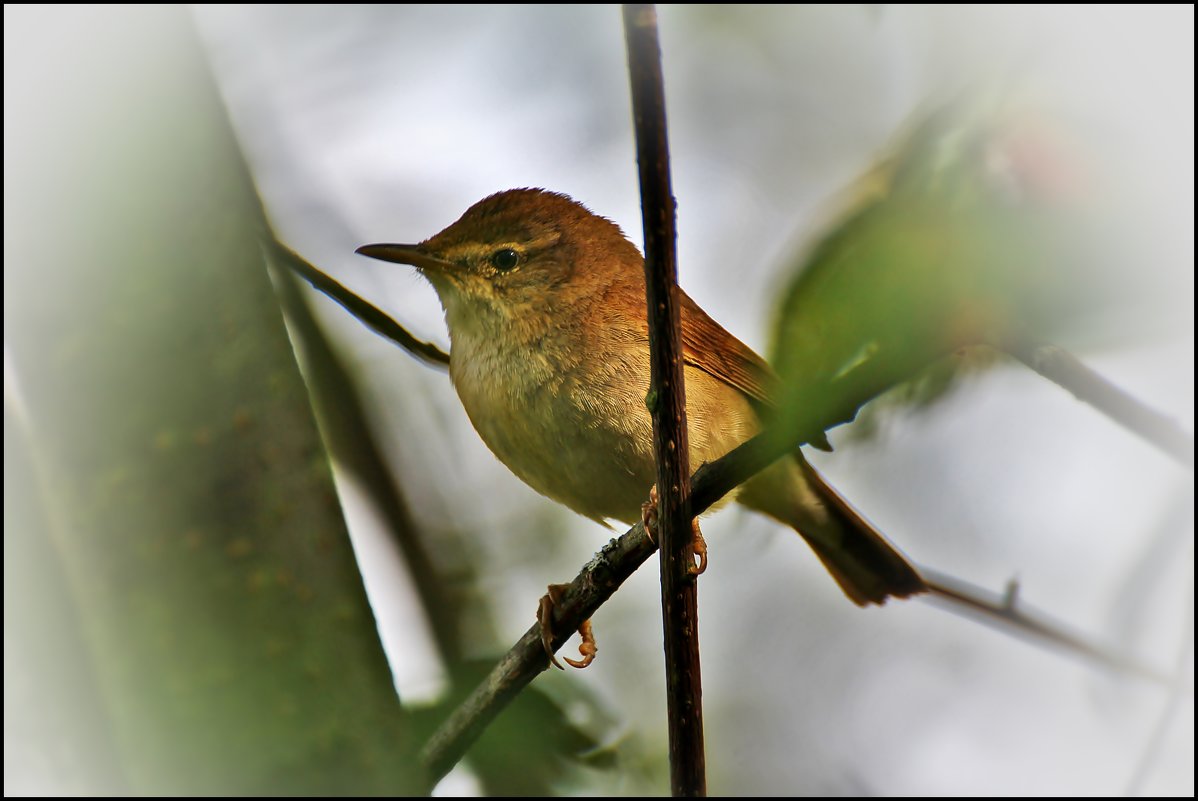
(406,254)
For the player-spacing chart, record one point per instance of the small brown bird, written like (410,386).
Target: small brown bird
(545,305)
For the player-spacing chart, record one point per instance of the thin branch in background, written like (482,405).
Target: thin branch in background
(1006,612)
(371,315)
(1062,368)
(667,405)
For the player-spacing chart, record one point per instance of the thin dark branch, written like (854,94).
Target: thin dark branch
(1062,368)
(1006,612)
(667,404)
(372,316)
(597,582)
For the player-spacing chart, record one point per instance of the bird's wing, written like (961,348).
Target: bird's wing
(710,348)
(707,346)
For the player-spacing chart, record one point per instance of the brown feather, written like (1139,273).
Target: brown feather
(707,346)
(868,568)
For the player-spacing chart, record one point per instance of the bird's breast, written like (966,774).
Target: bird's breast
(573,428)
(569,417)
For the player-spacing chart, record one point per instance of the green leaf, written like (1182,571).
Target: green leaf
(981,228)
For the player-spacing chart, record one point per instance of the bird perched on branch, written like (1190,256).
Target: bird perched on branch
(545,305)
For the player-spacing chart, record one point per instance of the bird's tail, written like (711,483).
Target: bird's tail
(865,565)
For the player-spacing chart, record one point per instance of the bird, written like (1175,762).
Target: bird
(545,307)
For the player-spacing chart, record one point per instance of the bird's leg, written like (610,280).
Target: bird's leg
(698,544)
(587,649)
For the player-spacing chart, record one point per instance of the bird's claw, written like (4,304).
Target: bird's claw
(587,649)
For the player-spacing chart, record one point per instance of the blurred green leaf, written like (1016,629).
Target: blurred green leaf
(188,495)
(986,224)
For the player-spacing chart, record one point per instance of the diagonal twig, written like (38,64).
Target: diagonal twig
(1063,369)
(598,581)
(374,317)
(1006,612)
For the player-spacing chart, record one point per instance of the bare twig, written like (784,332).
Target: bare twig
(1006,612)
(667,405)
(1062,368)
(598,581)
(372,316)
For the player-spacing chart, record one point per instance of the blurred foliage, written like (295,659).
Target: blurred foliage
(228,638)
(989,223)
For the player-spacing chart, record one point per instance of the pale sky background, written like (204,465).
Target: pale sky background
(384,123)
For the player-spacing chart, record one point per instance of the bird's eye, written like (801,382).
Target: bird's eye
(505,259)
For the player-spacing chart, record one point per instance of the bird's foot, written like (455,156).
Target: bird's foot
(649,515)
(698,544)
(587,649)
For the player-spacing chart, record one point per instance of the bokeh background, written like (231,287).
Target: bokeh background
(383,123)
